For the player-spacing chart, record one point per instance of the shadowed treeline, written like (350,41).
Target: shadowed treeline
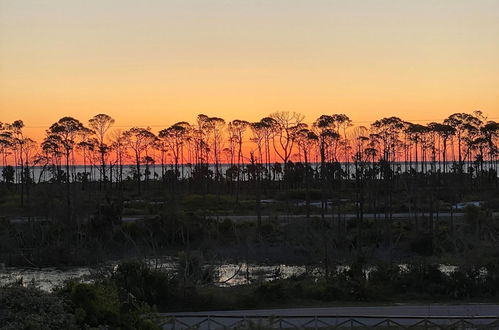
(462,142)
(269,149)
(380,187)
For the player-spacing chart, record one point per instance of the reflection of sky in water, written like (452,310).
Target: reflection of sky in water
(44,278)
(228,274)
(225,274)
(236,274)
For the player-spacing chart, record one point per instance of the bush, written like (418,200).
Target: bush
(465,282)
(137,280)
(423,279)
(99,305)
(422,245)
(271,291)
(30,308)
(95,304)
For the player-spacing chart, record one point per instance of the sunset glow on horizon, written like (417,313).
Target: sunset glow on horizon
(158,62)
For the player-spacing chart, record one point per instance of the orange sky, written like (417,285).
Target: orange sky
(157,62)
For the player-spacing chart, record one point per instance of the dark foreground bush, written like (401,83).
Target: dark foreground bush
(387,283)
(126,298)
(417,281)
(110,303)
(152,286)
(75,306)
(30,308)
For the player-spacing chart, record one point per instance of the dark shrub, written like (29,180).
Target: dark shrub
(152,286)
(95,304)
(30,308)
(271,291)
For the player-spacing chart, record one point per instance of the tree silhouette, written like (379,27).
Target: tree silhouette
(464,125)
(490,132)
(214,126)
(286,124)
(6,142)
(86,145)
(307,142)
(416,133)
(175,137)
(119,145)
(101,123)
(236,130)
(445,132)
(65,131)
(139,140)
(324,128)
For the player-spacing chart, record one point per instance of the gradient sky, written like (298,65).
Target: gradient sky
(157,62)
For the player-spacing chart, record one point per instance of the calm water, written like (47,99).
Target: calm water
(225,274)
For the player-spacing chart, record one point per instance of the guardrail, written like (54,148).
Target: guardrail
(213,322)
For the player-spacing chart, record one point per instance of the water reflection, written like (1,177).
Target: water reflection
(225,274)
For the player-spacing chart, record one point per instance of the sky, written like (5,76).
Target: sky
(157,62)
